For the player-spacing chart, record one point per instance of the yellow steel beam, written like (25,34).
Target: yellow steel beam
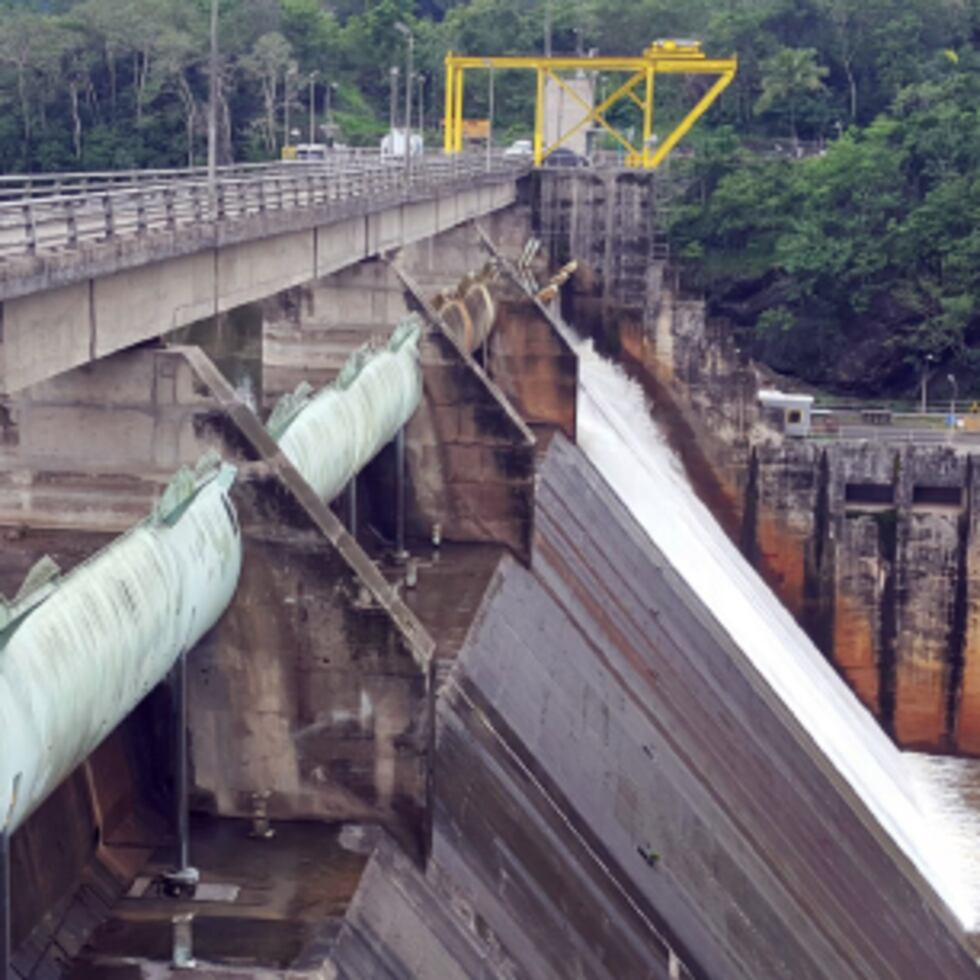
(458,123)
(663,57)
(448,137)
(595,114)
(670,64)
(539,119)
(637,101)
(648,115)
(691,118)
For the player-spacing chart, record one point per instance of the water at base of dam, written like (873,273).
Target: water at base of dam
(921,803)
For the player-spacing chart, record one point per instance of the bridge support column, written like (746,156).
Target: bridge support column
(183,880)
(352,508)
(400,553)
(6,913)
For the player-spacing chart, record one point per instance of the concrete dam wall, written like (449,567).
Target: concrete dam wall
(871,546)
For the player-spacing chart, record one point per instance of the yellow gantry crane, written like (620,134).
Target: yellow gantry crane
(667,57)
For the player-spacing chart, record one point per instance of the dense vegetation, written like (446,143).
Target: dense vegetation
(855,267)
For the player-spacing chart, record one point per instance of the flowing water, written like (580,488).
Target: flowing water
(616,432)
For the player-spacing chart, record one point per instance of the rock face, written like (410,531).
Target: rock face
(871,546)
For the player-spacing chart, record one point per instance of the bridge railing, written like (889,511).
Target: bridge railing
(60,211)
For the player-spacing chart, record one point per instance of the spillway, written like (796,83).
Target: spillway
(618,435)
(330,436)
(78,653)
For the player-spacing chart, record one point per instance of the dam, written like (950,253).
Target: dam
(458,677)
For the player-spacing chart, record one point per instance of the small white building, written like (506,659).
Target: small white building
(791,412)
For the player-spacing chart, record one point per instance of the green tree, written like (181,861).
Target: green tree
(790,77)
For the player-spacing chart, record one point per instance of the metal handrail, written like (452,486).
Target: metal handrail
(76,208)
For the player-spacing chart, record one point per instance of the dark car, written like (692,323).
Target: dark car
(564,157)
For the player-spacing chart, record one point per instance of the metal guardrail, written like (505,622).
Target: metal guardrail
(46,212)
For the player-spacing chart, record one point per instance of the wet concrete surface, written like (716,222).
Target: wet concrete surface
(20,548)
(293,891)
(452,581)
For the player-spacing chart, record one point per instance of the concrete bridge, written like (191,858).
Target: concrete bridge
(91,264)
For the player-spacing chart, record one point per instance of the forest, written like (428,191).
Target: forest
(830,206)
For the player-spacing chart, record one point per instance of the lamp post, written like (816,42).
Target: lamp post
(392,107)
(926,370)
(313,75)
(289,74)
(331,88)
(213,117)
(489,65)
(421,81)
(405,30)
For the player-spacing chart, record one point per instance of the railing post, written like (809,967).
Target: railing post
(71,223)
(30,232)
(140,211)
(168,207)
(108,216)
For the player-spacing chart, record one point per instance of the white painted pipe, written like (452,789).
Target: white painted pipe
(331,436)
(78,653)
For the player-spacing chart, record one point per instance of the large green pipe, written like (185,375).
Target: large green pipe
(332,435)
(79,652)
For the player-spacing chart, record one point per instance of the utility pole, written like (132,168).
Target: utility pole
(289,73)
(490,121)
(421,80)
(547,28)
(313,75)
(393,103)
(213,117)
(926,370)
(410,56)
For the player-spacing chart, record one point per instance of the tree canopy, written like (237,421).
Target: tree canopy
(850,267)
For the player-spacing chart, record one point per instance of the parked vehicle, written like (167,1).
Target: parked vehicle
(519,149)
(393,145)
(564,157)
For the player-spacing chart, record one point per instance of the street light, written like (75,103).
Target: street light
(927,361)
(405,30)
(393,76)
(289,73)
(489,65)
(331,88)
(313,77)
(213,117)
(421,80)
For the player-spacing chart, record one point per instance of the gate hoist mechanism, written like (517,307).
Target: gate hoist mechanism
(666,57)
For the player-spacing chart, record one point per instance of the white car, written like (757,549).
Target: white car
(519,148)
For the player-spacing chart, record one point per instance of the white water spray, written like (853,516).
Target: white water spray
(617,434)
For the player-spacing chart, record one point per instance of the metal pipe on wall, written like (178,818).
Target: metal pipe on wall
(352,507)
(400,553)
(332,435)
